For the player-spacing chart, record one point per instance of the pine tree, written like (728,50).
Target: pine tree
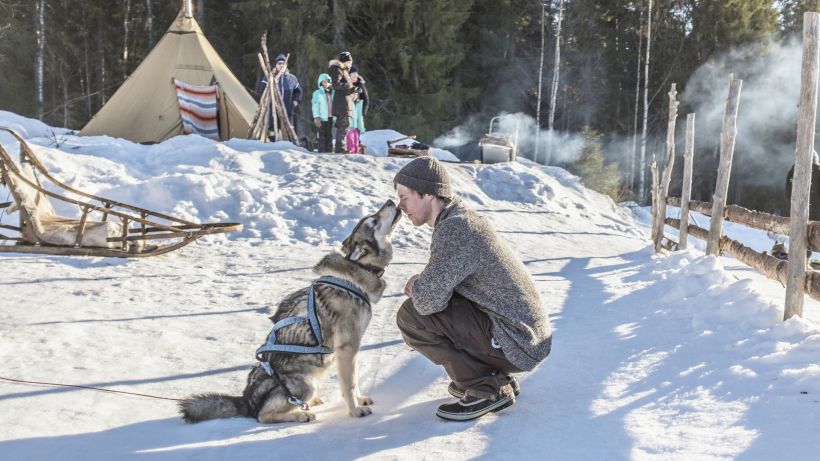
(408,53)
(591,168)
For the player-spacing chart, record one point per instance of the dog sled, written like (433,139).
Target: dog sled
(139,233)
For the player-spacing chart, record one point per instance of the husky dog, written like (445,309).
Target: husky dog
(342,316)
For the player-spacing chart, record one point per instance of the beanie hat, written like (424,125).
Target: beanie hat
(280,57)
(353,69)
(345,56)
(425,175)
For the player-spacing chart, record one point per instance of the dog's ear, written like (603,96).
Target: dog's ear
(346,245)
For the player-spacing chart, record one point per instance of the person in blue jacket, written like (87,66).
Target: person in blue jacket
(321,102)
(288,87)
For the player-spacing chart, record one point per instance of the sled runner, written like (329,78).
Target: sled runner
(138,233)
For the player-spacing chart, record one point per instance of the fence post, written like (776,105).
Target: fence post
(727,149)
(667,168)
(686,192)
(798,217)
(655,192)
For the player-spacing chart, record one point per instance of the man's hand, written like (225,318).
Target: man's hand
(408,287)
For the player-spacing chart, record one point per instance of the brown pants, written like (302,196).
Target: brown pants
(458,338)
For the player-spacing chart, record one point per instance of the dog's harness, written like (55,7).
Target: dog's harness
(271,345)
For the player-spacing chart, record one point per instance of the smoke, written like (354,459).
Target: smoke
(767,115)
(565,146)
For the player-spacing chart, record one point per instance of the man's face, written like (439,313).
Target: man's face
(418,208)
(280,65)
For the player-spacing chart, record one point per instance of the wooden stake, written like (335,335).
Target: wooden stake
(727,149)
(686,193)
(653,167)
(667,168)
(796,272)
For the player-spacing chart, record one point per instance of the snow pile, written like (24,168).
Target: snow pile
(655,357)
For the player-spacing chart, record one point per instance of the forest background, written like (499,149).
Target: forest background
(443,68)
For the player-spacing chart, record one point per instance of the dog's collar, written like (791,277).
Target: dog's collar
(375,270)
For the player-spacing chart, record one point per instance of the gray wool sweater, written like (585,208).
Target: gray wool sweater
(466,256)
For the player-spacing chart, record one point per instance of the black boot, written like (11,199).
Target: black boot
(458,392)
(471,407)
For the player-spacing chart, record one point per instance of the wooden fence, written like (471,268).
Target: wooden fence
(803,235)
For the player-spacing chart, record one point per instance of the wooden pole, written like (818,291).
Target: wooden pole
(796,272)
(686,193)
(727,149)
(653,167)
(667,169)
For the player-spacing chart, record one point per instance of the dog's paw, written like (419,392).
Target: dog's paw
(305,416)
(358,412)
(316,401)
(364,400)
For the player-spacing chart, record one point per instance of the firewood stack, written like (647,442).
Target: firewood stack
(270,99)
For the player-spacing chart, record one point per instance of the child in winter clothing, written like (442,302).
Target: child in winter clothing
(359,109)
(321,103)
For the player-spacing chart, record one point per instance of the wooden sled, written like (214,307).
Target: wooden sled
(139,233)
(404,152)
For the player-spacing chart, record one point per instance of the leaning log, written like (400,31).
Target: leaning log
(728,133)
(755,219)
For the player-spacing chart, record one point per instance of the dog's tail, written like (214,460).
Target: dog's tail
(203,407)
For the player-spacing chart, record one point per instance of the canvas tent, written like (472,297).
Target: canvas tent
(146,109)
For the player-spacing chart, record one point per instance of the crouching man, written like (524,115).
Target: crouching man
(474,308)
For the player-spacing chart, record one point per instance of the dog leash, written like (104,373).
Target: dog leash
(79,386)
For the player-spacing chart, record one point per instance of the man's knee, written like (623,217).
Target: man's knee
(407,315)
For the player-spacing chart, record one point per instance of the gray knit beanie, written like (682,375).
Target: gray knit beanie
(425,175)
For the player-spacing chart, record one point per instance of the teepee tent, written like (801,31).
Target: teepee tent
(149,106)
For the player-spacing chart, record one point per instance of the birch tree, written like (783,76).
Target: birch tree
(631,174)
(125,24)
(149,23)
(642,176)
(540,85)
(40,10)
(555,76)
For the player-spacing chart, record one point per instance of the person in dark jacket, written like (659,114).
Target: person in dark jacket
(288,87)
(814,192)
(343,96)
(474,308)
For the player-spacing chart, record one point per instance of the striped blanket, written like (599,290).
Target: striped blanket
(198,107)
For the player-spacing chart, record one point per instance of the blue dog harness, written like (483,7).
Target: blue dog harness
(271,345)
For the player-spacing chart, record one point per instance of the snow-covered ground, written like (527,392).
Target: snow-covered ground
(659,357)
